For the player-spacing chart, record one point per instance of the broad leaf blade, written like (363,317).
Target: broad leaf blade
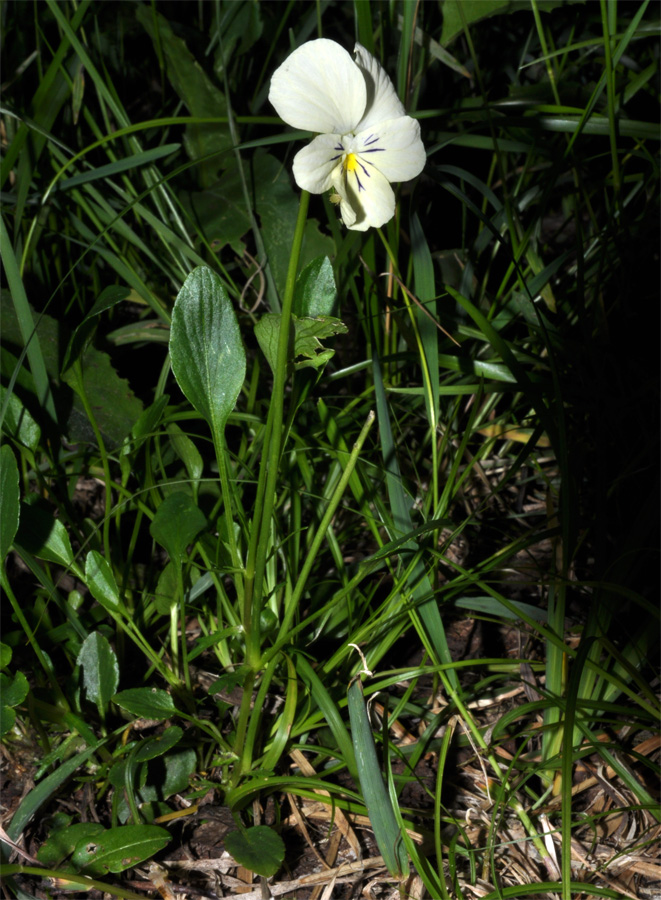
(18,422)
(207,355)
(315,292)
(119,848)
(100,669)
(176,524)
(147,703)
(43,536)
(259,849)
(101,581)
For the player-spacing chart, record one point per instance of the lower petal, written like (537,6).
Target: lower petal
(314,164)
(368,200)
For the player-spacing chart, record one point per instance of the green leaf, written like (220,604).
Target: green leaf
(157,746)
(207,355)
(277,206)
(377,800)
(167,587)
(9,500)
(220,211)
(259,849)
(187,452)
(176,524)
(84,332)
(18,422)
(6,654)
(61,842)
(26,334)
(174,772)
(194,88)
(315,292)
(101,581)
(45,789)
(146,703)
(14,690)
(7,720)
(119,848)
(133,162)
(492,607)
(456,12)
(100,670)
(308,334)
(241,25)
(43,536)
(116,407)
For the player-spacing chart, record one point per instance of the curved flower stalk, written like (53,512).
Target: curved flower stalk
(366,140)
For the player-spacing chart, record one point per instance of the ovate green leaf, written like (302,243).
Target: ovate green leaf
(159,745)
(43,536)
(61,843)
(100,669)
(315,292)
(147,703)
(177,523)
(14,690)
(18,423)
(119,848)
(101,581)
(259,849)
(207,355)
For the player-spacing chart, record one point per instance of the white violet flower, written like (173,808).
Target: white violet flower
(365,139)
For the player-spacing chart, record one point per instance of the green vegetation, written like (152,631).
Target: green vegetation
(251,459)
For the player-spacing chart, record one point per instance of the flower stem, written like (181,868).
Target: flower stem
(268,473)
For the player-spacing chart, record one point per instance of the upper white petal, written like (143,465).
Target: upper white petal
(314,164)
(369,197)
(394,147)
(382,100)
(319,88)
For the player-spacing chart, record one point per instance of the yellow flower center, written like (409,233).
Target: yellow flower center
(351,162)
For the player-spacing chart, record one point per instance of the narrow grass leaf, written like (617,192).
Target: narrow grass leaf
(9,500)
(26,324)
(401,525)
(121,165)
(377,800)
(45,789)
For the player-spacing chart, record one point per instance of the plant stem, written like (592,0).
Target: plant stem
(268,473)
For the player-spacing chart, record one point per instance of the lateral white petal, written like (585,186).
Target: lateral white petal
(382,100)
(395,148)
(314,164)
(369,196)
(319,88)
